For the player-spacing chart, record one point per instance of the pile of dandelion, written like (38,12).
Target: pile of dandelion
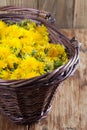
(26,51)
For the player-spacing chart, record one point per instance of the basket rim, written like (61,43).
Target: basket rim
(44,17)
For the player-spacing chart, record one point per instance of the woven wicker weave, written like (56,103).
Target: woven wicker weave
(26,101)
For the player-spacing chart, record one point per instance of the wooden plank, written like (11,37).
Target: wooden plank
(69,111)
(80,14)
(62,11)
(40,4)
(6,124)
(2,2)
(23,3)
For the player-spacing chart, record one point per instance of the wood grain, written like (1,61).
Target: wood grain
(62,11)
(80,14)
(23,3)
(40,4)
(3,3)
(6,124)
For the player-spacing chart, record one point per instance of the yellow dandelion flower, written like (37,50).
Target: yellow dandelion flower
(37,37)
(31,75)
(15,43)
(55,50)
(25,51)
(64,58)
(4,52)
(12,31)
(60,48)
(42,29)
(2,25)
(17,74)
(12,60)
(40,67)
(3,64)
(29,63)
(5,75)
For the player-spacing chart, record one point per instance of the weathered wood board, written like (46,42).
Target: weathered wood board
(68,13)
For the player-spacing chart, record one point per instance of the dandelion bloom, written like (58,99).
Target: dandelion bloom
(26,50)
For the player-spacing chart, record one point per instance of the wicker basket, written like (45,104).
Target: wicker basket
(27,101)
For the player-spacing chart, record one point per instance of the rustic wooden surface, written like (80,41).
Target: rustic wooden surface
(68,13)
(69,111)
(80,14)
(62,10)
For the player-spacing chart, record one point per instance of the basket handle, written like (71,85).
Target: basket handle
(47,16)
(43,14)
(76,43)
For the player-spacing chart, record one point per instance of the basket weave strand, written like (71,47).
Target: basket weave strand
(26,101)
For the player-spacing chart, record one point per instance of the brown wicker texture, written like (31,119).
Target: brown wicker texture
(27,101)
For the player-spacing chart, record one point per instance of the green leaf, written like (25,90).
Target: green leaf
(46,50)
(57,63)
(23,24)
(10,23)
(47,68)
(40,59)
(33,52)
(15,65)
